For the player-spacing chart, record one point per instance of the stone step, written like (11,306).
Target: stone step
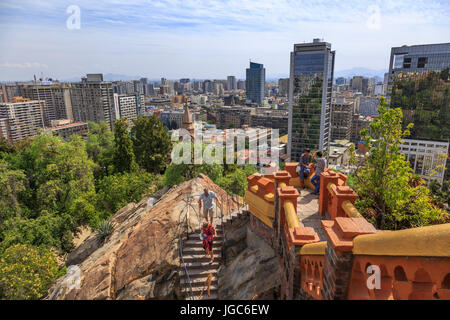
(199,243)
(198,273)
(195,236)
(219,231)
(200,258)
(202,291)
(200,265)
(197,282)
(200,250)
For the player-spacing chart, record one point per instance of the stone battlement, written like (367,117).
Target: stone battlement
(411,264)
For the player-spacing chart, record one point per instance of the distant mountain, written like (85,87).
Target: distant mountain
(348,73)
(359,71)
(106,77)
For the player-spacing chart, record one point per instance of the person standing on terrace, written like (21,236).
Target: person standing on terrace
(321,164)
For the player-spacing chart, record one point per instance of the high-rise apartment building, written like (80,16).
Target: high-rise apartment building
(231,83)
(128,105)
(241,85)
(341,120)
(311,80)
(21,118)
(283,87)
(255,82)
(58,104)
(93,100)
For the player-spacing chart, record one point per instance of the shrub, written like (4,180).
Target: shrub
(26,272)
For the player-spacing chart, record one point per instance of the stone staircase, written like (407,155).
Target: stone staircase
(197,264)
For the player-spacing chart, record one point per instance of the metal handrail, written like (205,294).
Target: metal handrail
(180,245)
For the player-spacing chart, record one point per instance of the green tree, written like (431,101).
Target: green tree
(59,176)
(123,157)
(12,182)
(118,190)
(151,143)
(100,147)
(5,146)
(26,272)
(383,182)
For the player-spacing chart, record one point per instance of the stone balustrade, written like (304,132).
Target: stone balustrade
(334,193)
(260,197)
(413,263)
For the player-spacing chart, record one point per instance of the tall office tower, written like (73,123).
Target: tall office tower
(93,100)
(341,120)
(128,105)
(283,87)
(150,89)
(255,82)
(208,86)
(21,118)
(144,82)
(341,80)
(163,81)
(198,86)
(418,58)
(241,85)
(311,80)
(57,100)
(218,89)
(231,83)
(185,80)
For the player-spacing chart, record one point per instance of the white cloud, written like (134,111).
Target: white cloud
(24,65)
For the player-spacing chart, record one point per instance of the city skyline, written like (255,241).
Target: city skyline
(205,39)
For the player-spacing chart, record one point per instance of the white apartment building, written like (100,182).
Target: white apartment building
(427,158)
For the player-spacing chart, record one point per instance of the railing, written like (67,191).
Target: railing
(180,244)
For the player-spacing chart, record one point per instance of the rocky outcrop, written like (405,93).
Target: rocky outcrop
(252,267)
(140,259)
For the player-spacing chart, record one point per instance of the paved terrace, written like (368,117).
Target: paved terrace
(308,211)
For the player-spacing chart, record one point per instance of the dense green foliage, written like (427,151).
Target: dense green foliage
(26,272)
(151,143)
(441,192)
(425,101)
(51,187)
(387,196)
(123,155)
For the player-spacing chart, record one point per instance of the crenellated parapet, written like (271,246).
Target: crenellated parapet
(260,198)
(356,261)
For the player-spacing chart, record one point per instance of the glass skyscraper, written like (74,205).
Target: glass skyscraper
(255,82)
(418,58)
(311,79)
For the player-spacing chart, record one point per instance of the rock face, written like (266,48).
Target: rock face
(140,260)
(252,267)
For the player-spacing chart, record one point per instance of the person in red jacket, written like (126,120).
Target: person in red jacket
(208,234)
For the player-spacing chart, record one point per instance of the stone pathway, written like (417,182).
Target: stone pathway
(197,264)
(308,212)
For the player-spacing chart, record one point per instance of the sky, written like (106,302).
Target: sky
(204,39)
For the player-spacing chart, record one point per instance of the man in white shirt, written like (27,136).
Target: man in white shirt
(207,196)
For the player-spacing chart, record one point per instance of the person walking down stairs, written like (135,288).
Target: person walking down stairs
(208,234)
(208,196)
